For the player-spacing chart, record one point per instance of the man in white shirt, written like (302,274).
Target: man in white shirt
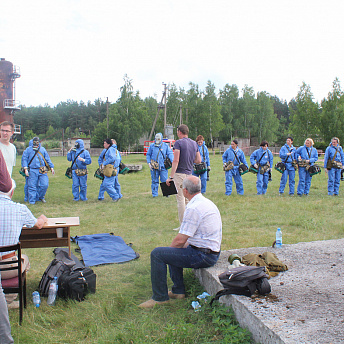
(7,148)
(197,245)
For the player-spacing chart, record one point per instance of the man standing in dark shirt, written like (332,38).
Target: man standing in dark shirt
(184,156)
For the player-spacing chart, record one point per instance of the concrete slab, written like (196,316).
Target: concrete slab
(309,304)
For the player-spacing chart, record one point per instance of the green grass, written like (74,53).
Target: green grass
(111,314)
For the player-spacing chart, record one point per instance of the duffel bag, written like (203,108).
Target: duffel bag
(76,284)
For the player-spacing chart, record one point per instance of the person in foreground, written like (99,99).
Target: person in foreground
(5,326)
(13,216)
(197,245)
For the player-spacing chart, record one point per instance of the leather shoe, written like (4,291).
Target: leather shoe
(151,303)
(175,296)
(13,305)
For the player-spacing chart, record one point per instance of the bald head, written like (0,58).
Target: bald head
(192,184)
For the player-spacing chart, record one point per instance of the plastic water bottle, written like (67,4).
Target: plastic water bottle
(278,237)
(36,299)
(52,293)
(196,306)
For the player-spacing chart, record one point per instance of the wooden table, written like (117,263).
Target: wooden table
(47,237)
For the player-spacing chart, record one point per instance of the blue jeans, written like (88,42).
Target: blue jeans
(176,259)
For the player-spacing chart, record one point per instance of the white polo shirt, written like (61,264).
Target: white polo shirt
(202,223)
(9,152)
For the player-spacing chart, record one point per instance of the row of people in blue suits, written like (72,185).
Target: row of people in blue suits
(306,155)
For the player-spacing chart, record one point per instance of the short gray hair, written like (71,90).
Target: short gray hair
(192,188)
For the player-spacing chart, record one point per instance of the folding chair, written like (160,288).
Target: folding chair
(15,284)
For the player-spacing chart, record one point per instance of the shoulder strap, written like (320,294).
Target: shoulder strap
(334,156)
(309,153)
(45,162)
(32,158)
(75,159)
(105,152)
(203,153)
(236,157)
(262,157)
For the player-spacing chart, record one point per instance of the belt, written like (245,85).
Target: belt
(205,250)
(8,255)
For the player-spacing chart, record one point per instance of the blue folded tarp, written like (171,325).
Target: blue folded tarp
(104,248)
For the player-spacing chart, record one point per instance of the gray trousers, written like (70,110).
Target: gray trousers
(5,327)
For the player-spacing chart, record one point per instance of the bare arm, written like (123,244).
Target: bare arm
(180,241)
(198,158)
(41,221)
(175,162)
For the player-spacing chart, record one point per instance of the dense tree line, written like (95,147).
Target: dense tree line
(221,115)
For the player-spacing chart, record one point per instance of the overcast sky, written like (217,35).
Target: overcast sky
(81,49)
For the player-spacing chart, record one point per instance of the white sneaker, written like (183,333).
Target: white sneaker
(176,229)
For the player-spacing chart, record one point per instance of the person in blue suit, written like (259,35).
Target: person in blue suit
(236,156)
(107,157)
(26,193)
(306,155)
(333,164)
(156,154)
(262,159)
(287,155)
(36,163)
(80,159)
(117,185)
(203,150)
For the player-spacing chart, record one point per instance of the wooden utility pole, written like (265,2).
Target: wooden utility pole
(165,110)
(160,106)
(180,114)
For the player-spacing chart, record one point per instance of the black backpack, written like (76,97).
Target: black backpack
(56,268)
(74,279)
(244,280)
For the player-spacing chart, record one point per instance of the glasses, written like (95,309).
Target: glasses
(6,131)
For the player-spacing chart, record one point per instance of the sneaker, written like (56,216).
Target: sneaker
(151,303)
(175,296)
(100,199)
(176,229)
(43,200)
(115,200)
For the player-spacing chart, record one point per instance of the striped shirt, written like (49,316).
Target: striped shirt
(13,216)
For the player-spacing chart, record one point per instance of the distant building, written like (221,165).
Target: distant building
(8,103)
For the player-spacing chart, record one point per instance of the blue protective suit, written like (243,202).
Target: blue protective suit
(203,150)
(158,153)
(264,157)
(37,182)
(106,157)
(79,187)
(26,194)
(116,184)
(289,170)
(227,156)
(305,178)
(334,173)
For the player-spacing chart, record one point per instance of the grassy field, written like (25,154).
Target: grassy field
(111,314)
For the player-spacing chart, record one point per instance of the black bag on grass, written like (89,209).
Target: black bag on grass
(77,280)
(55,268)
(75,284)
(244,280)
